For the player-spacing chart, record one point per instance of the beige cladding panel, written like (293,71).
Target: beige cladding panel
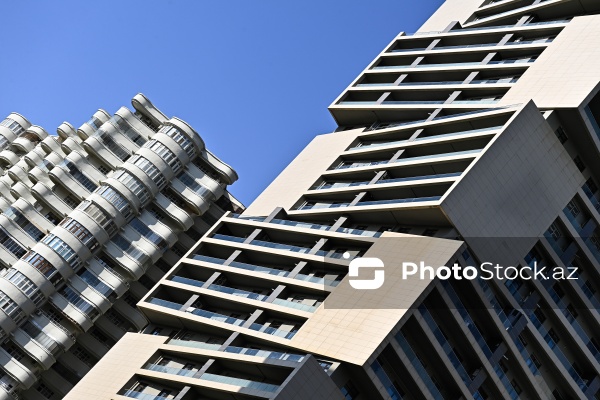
(352,323)
(566,72)
(302,172)
(451,10)
(514,191)
(119,365)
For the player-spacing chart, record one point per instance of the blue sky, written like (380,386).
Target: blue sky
(253,77)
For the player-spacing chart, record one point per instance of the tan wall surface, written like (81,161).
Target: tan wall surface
(500,196)
(302,172)
(352,323)
(566,72)
(116,367)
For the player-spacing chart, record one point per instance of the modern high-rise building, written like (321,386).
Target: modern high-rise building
(91,220)
(476,139)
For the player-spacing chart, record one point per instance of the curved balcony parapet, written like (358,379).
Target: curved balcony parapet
(191,134)
(85,131)
(18,172)
(16,232)
(92,225)
(46,196)
(23,375)
(157,161)
(117,282)
(226,173)
(22,145)
(60,176)
(45,287)
(35,156)
(134,267)
(159,228)
(37,131)
(51,144)
(25,304)
(66,130)
(93,124)
(70,238)
(21,120)
(20,191)
(143,105)
(26,208)
(132,314)
(71,144)
(96,299)
(94,146)
(135,123)
(64,269)
(198,202)
(75,315)
(8,157)
(183,219)
(126,191)
(36,350)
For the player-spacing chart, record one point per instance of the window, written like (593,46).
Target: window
(148,233)
(430,232)
(579,163)
(535,361)
(116,199)
(101,337)
(539,314)
(561,134)
(80,232)
(156,331)
(50,216)
(516,386)
(103,169)
(182,140)
(522,339)
(134,184)
(130,300)
(115,318)
(13,125)
(83,355)
(24,284)
(41,264)
(554,231)
(99,215)
(191,183)
(552,334)
(79,176)
(165,153)
(149,169)
(11,244)
(13,350)
(573,208)
(45,391)
(33,231)
(123,126)
(70,201)
(79,302)
(53,315)
(10,307)
(349,391)
(63,250)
